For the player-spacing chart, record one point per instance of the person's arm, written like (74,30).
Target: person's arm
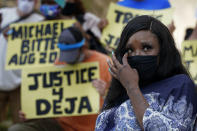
(102,24)
(101,87)
(93,23)
(129,79)
(102,84)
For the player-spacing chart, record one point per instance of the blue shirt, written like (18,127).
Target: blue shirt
(146,4)
(172,106)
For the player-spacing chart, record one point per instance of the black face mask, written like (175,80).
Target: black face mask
(146,67)
(69,9)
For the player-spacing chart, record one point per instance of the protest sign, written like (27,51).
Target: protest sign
(189,53)
(119,16)
(60,91)
(34,44)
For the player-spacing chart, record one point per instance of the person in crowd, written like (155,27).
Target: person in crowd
(90,23)
(10,79)
(74,9)
(73,49)
(50,9)
(150,88)
(82,54)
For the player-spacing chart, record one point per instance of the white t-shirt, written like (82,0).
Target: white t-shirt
(11,79)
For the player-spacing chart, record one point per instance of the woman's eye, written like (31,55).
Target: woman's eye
(129,51)
(147,47)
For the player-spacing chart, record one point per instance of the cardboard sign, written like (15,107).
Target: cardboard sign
(60,91)
(189,53)
(34,44)
(119,16)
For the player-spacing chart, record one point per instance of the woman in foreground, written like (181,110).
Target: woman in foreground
(150,89)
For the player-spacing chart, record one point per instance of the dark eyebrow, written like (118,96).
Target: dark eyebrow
(129,45)
(147,43)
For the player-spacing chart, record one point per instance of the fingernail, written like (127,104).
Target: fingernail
(107,60)
(109,70)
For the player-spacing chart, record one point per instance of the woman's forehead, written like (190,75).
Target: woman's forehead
(143,34)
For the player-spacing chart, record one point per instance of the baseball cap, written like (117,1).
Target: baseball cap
(70,42)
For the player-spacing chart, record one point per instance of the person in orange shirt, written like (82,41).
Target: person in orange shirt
(76,51)
(73,49)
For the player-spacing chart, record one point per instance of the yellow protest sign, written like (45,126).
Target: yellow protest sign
(60,91)
(34,44)
(119,16)
(189,53)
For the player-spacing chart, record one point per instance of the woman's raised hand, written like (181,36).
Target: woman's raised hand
(127,76)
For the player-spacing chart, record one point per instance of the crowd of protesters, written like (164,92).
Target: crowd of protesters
(143,83)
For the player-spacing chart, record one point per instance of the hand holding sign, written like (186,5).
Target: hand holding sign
(22,116)
(100,86)
(103,23)
(5,32)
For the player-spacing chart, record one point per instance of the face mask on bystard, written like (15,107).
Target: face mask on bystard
(26,6)
(49,11)
(80,58)
(145,65)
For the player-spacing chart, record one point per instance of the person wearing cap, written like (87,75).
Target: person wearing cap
(73,49)
(70,43)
